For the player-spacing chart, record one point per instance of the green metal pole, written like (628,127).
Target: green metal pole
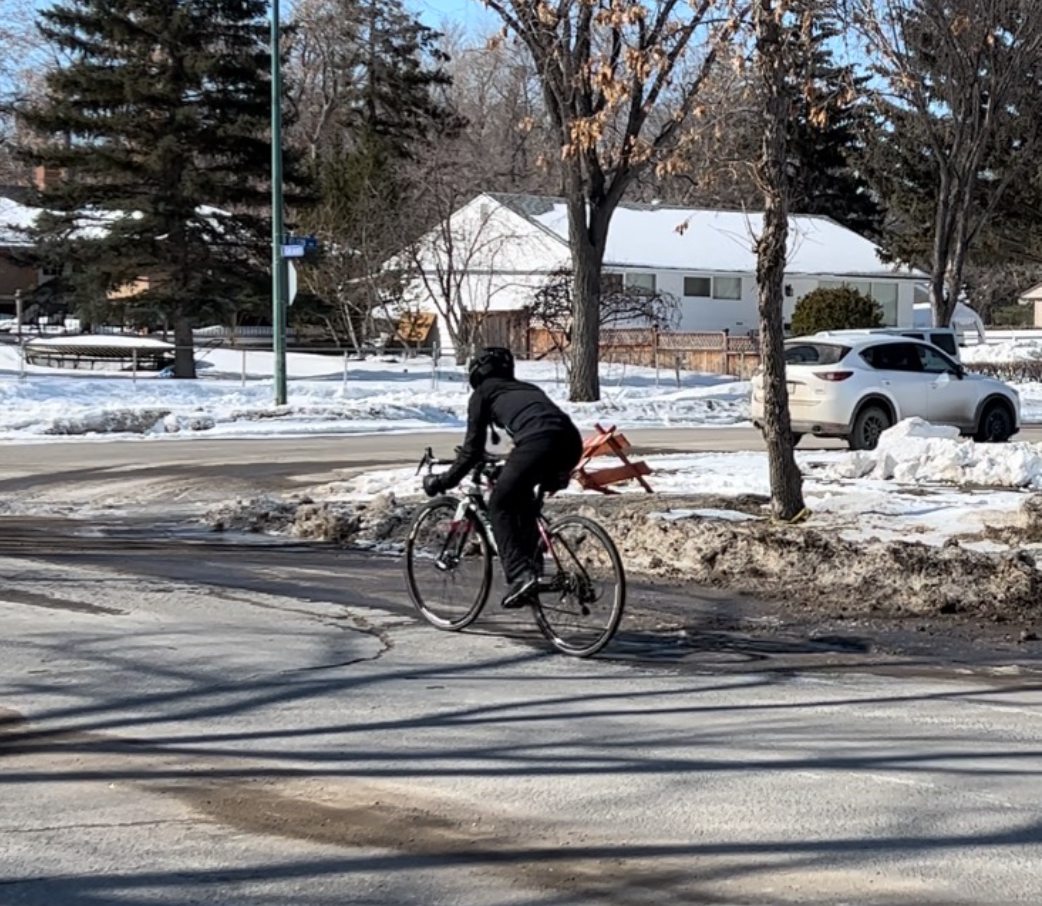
(278,265)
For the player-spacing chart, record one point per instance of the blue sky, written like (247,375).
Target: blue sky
(470,13)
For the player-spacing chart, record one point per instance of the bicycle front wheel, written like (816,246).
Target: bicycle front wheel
(448,564)
(580,607)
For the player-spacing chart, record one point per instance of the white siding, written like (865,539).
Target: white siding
(500,260)
(503,258)
(740,316)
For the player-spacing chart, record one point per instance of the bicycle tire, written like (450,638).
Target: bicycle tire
(432,613)
(545,615)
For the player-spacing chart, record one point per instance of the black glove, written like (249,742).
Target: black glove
(433,485)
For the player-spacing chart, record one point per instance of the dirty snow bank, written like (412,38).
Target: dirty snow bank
(727,542)
(817,565)
(917,452)
(899,531)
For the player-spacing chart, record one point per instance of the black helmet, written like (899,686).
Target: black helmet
(496,361)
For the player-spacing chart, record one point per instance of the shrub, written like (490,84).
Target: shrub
(1021,371)
(1014,316)
(835,308)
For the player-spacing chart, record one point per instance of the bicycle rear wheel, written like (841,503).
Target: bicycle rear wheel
(448,564)
(581,606)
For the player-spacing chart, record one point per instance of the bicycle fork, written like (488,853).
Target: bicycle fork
(459,532)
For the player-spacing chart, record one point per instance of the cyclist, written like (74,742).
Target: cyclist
(547,447)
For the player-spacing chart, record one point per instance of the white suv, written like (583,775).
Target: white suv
(856,387)
(944,338)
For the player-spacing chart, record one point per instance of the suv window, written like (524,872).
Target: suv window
(893,357)
(815,353)
(945,341)
(934,361)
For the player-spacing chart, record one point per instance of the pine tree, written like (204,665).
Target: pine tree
(158,123)
(827,133)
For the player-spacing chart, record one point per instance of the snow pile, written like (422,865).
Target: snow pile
(990,574)
(916,452)
(1011,350)
(377,521)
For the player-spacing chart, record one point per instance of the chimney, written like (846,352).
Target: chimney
(46,177)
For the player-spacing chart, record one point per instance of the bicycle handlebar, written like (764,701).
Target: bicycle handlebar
(487,468)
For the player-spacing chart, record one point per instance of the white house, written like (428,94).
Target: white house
(1033,297)
(496,251)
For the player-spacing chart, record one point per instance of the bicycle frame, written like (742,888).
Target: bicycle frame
(463,533)
(473,503)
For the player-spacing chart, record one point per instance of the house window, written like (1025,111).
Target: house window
(644,282)
(611,283)
(698,287)
(713,287)
(727,287)
(886,295)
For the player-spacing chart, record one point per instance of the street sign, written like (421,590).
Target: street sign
(293,251)
(291,280)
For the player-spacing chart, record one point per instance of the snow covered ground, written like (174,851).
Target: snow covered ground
(331,395)
(923,483)
(327,395)
(1005,346)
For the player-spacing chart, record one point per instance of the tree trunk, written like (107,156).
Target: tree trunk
(942,241)
(184,353)
(589,236)
(786,481)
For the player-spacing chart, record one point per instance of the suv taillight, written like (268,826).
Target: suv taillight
(833,376)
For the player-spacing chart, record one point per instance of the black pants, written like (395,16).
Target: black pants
(542,461)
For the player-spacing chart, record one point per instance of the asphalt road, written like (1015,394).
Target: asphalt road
(177,471)
(185,721)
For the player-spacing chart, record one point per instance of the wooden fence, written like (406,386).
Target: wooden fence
(714,352)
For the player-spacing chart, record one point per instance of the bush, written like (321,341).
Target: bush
(1014,316)
(835,308)
(1021,371)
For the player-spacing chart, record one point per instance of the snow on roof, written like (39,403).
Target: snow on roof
(15,219)
(665,237)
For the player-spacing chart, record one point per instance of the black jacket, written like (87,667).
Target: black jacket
(519,408)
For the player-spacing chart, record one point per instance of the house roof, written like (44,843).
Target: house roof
(15,219)
(662,237)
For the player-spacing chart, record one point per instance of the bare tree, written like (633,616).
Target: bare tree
(962,82)
(552,308)
(508,142)
(458,263)
(324,54)
(773,63)
(620,79)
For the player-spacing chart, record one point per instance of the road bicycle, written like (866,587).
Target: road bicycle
(448,566)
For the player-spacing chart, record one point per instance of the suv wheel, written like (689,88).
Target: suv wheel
(996,424)
(870,423)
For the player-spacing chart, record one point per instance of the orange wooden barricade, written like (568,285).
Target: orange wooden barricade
(608,442)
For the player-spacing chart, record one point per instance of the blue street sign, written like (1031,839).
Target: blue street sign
(307,242)
(293,251)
